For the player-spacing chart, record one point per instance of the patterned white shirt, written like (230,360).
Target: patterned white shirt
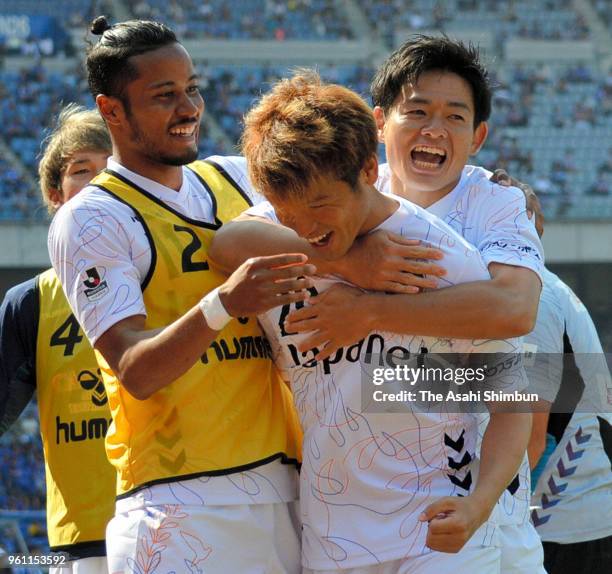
(366,475)
(95,231)
(573,495)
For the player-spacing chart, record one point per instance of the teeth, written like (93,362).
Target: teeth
(425,164)
(317,239)
(183,131)
(429,149)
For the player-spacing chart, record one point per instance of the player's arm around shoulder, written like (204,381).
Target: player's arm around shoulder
(99,250)
(255,232)
(147,360)
(511,248)
(517,293)
(394,263)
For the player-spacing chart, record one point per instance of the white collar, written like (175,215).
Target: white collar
(147,184)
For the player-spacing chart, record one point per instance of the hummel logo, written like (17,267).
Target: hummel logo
(91,382)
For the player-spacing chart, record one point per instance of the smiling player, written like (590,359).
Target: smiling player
(204,437)
(377,490)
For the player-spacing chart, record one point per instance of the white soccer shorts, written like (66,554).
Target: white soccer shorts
(522,551)
(470,560)
(93,565)
(245,539)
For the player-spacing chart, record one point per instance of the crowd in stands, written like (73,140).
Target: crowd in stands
(544,20)
(20,36)
(229,91)
(22,477)
(16,193)
(264,20)
(550,125)
(29,99)
(318,19)
(604,11)
(539,111)
(22,483)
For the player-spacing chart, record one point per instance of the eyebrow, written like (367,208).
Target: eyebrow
(77,162)
(451,103)
(169,83)
(320,197)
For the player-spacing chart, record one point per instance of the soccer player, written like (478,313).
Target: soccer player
(42,349)
(432,102)
(204,438)
(572,495)
(370,481)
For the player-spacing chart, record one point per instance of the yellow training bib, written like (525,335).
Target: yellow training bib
(230,411)
(74,417)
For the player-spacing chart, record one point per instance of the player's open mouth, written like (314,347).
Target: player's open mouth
(428,157)
(320,240)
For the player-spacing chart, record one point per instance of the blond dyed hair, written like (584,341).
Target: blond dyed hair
(303,129)
(77,129)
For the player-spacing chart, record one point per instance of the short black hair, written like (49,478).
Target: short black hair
(422,54)
(108,67)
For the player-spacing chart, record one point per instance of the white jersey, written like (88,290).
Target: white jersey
(367,476)
(95,230)
(494,219)
(573,495)
(490,216)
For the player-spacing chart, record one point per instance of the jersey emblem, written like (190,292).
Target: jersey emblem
(96,287)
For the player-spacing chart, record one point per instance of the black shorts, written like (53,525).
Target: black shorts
(590,557)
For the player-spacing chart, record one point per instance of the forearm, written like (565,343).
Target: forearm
(147,361)
(503,448)
(476,310)
(245,238)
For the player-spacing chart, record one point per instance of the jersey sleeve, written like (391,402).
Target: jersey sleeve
(236,167)
(506,234)
(544,347)
(582,341)
(94,252)
(264,210)
(18,333)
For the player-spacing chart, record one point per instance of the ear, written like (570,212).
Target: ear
(370,170)
(379,116)
(55,198)
(111,109)
(480,136)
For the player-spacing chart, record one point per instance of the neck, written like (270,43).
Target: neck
(381,207)
(419,197)
(168,175)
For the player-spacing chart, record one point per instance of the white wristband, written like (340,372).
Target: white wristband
(213,310)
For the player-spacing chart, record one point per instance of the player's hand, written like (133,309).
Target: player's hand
(534,208)
(452,521)
(385,261)
(333,318)
(262,283)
